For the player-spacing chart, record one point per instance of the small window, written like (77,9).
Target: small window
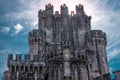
(90,65)
(22,68)
(99,41)
(82,56)
(26,68)
(51,56)
(35,39)
(12,69)
(38,52)
(31,68)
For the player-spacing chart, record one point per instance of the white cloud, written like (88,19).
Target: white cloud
(18,28)
(5,29)
(102,17)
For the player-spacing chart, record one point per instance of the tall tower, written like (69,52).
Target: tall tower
(36,43)
(62,48)
(83,23)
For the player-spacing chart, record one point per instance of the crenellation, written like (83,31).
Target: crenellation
(88,22)
(96,34)
(64,9)
(18,57)
(49,9)
(57,15)
(10,56)
(41,14)
(56,12)
(79,9)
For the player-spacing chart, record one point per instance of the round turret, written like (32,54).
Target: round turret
(96,42)
(93,35)
(36,41)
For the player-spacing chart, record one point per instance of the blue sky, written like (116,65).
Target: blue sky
(18,17)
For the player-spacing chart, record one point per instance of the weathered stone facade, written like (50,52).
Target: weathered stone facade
(62,48)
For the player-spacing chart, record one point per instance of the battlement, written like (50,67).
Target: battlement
(79,9)
(49,9)
(57,15)
(35,33)
(72,13)
(22,57)
(64,9)
(16,57)
(41,13)
(36,36)
(96,35)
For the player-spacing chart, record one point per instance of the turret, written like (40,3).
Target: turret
(95,41)
(87,22)
(57,27)
(64,23)
(41,19)
(64,9)
(36,42)
(49,9)
(97,35)
(79,9)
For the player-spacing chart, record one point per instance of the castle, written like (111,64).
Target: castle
(62,48)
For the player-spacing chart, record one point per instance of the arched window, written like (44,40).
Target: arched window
(35,39)
(51,56)
(83,57)
(26,68)
(90,65)
(78,56)
(99,41)
(13,69)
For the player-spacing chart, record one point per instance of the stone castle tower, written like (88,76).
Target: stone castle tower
(62,48)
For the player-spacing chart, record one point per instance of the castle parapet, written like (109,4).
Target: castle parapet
(41,14)
(79,9)
(96,35)
(35,33)
(57,15)
(18,57)
(64,9)
(35,36)
(22,57)
(10,56)
(49,9)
